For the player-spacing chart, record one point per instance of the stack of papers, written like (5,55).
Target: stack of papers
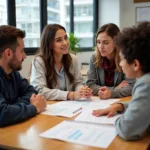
(86,129)
(71,108)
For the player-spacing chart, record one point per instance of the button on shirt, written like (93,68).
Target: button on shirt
(61,79)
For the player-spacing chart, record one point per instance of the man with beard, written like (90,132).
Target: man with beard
(18,99)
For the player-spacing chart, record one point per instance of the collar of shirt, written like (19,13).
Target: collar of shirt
(61,79)
(61,73)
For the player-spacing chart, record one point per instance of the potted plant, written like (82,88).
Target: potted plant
(74,43)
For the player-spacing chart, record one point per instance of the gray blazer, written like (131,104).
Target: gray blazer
(136,119)
(38,80)
(96,79)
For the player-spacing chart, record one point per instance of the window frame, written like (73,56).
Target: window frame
(11,15)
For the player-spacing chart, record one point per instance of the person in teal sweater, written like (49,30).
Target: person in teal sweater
(18,99)
(134,43)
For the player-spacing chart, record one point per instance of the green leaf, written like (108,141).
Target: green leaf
(74,43)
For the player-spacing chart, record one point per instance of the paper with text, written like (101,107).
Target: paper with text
(86,116)
(81,133)
(66,108)
(94,103)
(55,110)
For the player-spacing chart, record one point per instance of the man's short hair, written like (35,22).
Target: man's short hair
(8,37)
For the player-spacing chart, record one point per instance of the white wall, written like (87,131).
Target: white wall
(120,12)
(128,12)
(109,12)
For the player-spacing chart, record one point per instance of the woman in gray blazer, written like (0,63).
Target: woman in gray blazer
(105,76)
(55,73)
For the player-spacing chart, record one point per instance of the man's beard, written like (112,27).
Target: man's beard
(14,65)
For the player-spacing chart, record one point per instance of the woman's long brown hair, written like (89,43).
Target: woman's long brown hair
(46,53)
(112,30)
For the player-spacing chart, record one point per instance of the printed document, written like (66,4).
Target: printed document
(56,110)
(71,108)
(81,133)
(86,116)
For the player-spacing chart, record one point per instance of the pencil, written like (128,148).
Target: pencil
(75,111)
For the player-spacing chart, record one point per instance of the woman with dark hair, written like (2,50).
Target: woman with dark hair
(134,44)
(55,72)
(105,76)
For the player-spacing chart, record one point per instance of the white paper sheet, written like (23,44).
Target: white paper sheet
(66,108)
(106,101)
(81,133)
(55,110)
(86,116)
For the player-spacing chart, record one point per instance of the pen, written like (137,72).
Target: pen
(77,110)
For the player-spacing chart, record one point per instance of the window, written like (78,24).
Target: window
(58,12)
(28,19)
(77,16)
(83,21)
(3,12)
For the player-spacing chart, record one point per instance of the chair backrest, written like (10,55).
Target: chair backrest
(84,68)
(84,65)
